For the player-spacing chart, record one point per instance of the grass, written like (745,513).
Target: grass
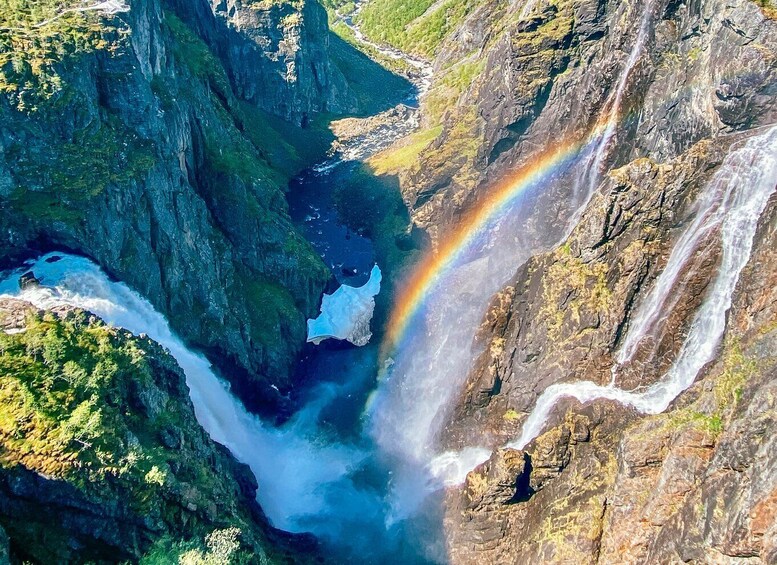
(398,158)
(411,26)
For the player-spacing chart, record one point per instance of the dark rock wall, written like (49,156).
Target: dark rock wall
(152,162)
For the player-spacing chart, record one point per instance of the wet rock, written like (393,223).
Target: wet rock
(503,479)
(28,280)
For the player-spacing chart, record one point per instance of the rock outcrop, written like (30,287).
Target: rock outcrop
(508,86)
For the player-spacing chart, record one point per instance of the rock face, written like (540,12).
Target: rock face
(521,80)
(276,55)
(153,148)
(604,483)
(120,469)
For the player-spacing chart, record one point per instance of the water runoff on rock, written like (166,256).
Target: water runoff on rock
(731,205)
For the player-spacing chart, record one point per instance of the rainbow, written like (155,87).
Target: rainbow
(433,268)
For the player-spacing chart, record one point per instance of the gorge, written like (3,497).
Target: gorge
(548,233)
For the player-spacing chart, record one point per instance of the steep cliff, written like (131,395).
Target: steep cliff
(98,430)
(603,482)
(680,90)
(150,137)
(511,80)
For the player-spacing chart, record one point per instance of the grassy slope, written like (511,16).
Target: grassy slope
(414,26)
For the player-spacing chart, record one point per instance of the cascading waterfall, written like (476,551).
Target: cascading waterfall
(428,369)
(298,468)
(594,161)
(732,203)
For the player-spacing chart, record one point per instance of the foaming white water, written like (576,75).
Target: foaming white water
(294,466)
(733,201)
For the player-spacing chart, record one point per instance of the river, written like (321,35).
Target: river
(318,472)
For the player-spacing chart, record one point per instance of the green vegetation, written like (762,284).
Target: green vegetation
(447,90)
(400,157)
(55,180)
(769,8)
(220,547)
(191,51)
(30,53)
(61,413)
(272,310)
(293,148)
(387,21)
(399,66)
(109,414)
(411,26)
(375,87)
(583,284)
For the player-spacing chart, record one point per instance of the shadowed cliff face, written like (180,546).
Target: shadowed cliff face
(163,155)
(680,86)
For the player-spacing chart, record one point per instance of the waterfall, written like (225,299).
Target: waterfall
(296,466)
(594,161)
(411,406)
(732,201)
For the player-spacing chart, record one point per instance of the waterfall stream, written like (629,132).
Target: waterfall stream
(361,490)
(732,202)
(410,408)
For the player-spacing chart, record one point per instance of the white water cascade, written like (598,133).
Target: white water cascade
(412,405)
(732,202)
(293,464)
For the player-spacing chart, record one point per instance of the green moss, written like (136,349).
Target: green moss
(192,52)
(220,547)
(572,288)
(292,148)
(272,309)
(737,370)
(54,181)
(401,157)
(231,154)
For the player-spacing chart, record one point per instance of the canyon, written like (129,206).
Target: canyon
(570,354)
